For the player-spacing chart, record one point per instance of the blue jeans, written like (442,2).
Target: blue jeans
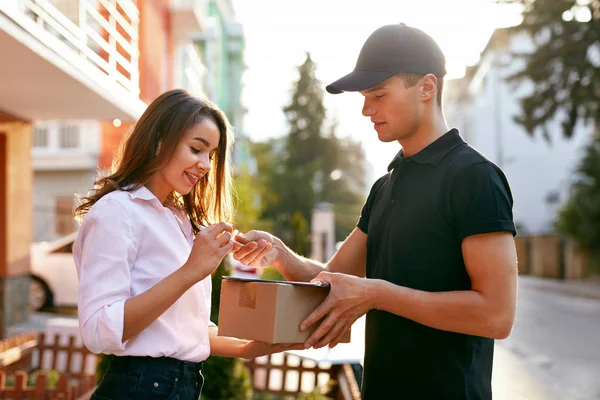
(137,378)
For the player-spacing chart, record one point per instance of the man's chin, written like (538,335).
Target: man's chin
(385,138)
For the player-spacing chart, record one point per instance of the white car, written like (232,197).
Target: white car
(54,280)
(241,270)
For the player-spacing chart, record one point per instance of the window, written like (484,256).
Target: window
(68,136)
(40,137)
(63,215)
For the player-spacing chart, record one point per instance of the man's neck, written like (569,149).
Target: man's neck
(428,132)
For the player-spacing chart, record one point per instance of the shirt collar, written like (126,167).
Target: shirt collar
(433,153)
(142,193)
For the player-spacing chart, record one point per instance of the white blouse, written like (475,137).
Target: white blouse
(127,243)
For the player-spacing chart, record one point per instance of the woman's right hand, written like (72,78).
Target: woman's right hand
(210,246)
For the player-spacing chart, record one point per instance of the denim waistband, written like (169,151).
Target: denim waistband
(166,366)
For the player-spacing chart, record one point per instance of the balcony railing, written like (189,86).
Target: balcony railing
(104,33)
(65,145)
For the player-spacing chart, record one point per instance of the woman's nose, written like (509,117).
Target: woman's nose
(204,163)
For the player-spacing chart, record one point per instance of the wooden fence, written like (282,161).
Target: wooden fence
(288,375)
(24,355)
(41,390)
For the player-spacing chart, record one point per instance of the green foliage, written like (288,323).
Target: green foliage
(52,377)
(102,362)
(305,115)
(310,165)
(579,218)
(226,379)
(564,66)
(299,240)
(247,208)
(271,274)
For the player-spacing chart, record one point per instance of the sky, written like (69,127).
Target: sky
(279,33)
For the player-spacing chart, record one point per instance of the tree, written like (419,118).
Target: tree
(580,216)
(309,165)
(344,183)
(304,144)
(564,66)
(247,207)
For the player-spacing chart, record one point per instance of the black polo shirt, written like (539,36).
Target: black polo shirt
(416,217)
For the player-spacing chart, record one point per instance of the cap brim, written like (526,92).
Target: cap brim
(356,81)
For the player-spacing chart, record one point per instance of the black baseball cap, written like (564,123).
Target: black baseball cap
(389,50)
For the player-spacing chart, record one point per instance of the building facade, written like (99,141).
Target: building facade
(62,67)
(483,105)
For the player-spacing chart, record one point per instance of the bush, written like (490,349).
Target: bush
(225,378)
(579,218)
(272,274)
(52,378)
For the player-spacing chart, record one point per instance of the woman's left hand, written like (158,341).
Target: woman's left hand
(254,348)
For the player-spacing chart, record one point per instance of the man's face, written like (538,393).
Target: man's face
(394,109)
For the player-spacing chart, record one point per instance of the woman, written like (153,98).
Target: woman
(151,234)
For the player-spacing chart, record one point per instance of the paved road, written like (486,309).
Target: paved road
(556,339)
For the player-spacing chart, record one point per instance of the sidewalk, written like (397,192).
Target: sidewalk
(511,380)
(587,288)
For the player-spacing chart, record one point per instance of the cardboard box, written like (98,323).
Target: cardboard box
(269,311)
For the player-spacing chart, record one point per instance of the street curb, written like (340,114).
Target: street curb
(579,288)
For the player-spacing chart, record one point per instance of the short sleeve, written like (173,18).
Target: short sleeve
(104,253)
(481,201)
(365,214)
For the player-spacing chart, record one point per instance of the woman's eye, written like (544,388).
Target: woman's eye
(194,150)
(379,96)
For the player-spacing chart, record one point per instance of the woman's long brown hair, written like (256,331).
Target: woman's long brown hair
(164,122)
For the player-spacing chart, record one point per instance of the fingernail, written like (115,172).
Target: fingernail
(307,346)
(302,327)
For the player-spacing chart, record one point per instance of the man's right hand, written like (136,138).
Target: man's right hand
(257,249)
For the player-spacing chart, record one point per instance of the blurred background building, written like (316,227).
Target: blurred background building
(483,105)
(80,73)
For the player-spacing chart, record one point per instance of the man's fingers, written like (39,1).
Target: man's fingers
(340,336)
(332,334)
(316,315)
(244,250)
(250,257)
(251,236)
(242,239)
(260,253)
(236,246)
(321,331)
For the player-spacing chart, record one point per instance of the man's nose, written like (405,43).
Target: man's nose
(367,110)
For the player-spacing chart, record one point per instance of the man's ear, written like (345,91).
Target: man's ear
(429,87)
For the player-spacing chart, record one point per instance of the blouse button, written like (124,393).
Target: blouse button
(155,384)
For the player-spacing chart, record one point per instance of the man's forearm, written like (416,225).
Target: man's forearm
(294,267)
(467,311)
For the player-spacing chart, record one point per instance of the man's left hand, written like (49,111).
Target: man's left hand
(349,298)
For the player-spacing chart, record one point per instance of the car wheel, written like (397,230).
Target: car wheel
(40,295)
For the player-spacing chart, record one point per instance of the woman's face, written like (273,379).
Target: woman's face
(191,160)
